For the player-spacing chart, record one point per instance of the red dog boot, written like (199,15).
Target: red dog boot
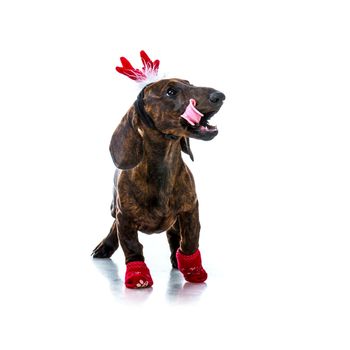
(137,275)
(191,266)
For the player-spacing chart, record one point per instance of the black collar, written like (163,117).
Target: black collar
(146,118)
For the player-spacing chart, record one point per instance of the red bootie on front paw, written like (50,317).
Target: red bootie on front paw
(191,266)
(137,275)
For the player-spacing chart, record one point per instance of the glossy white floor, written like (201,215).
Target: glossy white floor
(273,186)
(275,282)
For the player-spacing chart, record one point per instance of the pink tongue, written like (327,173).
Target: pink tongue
(191,114)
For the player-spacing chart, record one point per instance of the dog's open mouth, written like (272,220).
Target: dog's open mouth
(197,123)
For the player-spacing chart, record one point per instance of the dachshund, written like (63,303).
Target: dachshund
(154,190)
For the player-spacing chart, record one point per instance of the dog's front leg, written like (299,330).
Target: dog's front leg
(128,238)
(189,231)
(188,255)
(137,274)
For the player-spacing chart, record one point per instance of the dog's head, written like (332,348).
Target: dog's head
(175,109)
(181,109)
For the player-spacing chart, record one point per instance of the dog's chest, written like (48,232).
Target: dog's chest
(154,202)
(156,214)
(152,214)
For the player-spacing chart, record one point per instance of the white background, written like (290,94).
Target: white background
(273,186)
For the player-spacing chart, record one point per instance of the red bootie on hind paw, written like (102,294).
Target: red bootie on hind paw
(137,275)
(191,266)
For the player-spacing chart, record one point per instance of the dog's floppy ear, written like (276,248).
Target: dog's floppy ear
(126,145)
(185,146)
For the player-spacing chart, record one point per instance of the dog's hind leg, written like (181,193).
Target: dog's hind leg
(173,235)
(108,245)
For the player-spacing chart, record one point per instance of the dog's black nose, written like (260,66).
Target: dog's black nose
(216,97)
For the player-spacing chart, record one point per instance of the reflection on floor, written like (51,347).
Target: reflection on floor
(177,289)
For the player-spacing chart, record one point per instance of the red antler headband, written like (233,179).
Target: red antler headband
(149,70)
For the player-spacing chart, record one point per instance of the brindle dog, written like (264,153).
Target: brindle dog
(154,189)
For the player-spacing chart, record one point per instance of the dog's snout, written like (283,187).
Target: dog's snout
(216,97)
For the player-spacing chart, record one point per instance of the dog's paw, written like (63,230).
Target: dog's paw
(138,280)
(103,250)
(195,274)
(191,267)
(137,275)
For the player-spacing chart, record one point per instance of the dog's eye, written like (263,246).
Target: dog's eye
(171,92)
